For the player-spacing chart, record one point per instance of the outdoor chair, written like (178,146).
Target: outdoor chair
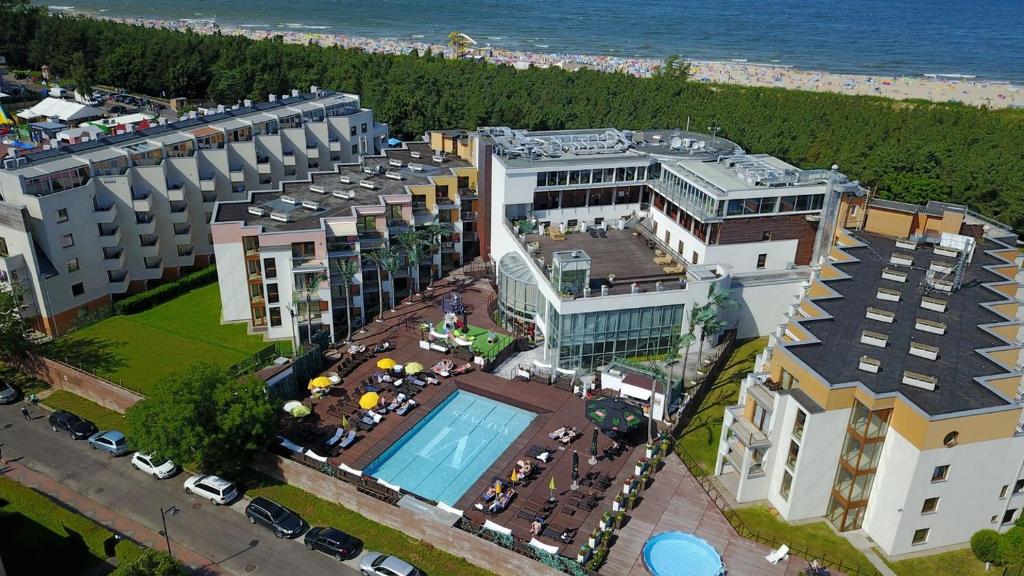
(528,514)
(404,408)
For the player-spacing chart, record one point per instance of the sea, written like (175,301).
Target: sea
(981,39)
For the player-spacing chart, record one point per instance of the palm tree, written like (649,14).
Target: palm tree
(377,256)
(310,283)
(709,328)
(695,318)
(347,270)
(435,231)
(414,244)
(386,260)
(710,324)
(459,43)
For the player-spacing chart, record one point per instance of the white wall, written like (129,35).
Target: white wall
(764,302)
(822,441)
(233,281)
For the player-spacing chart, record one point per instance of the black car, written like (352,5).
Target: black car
(79,428)
(333,542)
(284,522)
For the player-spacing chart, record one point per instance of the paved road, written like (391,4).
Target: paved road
(220,533)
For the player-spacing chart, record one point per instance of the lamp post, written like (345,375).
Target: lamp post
(163,519)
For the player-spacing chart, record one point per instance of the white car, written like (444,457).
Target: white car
(212,488)
(156,466)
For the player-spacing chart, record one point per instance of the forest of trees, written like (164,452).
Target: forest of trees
(909,151)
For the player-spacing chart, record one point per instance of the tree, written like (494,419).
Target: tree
(675,67)
(986,546)
(435,232)
(149,562)
(310,283)
(347,269)
(205,417)
(414,244)
(81,75)
(709,322)
(15,333)
(386,260)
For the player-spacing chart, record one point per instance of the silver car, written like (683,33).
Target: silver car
(377,564)
(8,393)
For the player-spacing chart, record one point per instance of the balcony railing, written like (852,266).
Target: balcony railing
(748,434)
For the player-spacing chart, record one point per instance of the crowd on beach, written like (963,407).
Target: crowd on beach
(966,90)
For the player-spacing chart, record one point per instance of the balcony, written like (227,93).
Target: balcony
(142,201)
(467,216)
(149,246)
(447,246)
(445,203)
(104,214)
(305,264)
(186,255)
(467,193)
(117,282)
(289,158)
(335,145)
(182,232)
(113,259)
(263,168)
(208,201)
(207,183)
(237,175)
(748,434)
(179,217)
(313,152)
(176,192)
(110,236)
(145,223)
(370,240)
(153,263)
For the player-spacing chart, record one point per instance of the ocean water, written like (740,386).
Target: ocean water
(983,38)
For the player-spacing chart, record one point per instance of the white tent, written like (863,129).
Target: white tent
(61,110)
(2,95)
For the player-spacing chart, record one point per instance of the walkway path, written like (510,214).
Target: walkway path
(860,541)
(675,501)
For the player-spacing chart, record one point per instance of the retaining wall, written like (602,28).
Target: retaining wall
(61,376)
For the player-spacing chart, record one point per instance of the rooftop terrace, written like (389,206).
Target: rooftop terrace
(837,356)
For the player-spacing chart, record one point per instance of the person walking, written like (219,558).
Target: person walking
(2,461)
(25,414)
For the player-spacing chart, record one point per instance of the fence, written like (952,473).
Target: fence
(256,361)
(707,381)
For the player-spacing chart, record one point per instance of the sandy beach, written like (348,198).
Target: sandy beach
(963,89)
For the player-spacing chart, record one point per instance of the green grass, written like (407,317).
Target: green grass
(479,337)
(104,418)
(374,536)
(817,538)
(139,350)
(21,381)
(700,439)
(41,537)
(955,563)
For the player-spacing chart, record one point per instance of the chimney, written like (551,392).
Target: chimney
(271,97)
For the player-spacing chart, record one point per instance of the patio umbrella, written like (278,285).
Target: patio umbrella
(551,486)
(593,448)
(300,411)
(319,382)
(369,400)
(575,468)
(413,368)
(497,487)
(386,363)
(289,406)
(514,477)
(615,417)
(344,422)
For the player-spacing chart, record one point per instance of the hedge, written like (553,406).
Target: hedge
(164,292)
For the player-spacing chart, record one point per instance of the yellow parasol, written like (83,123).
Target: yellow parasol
(386,363)
(515,476)
(369,400)
(344,422)
(413,368)
(497,487)
(319,382)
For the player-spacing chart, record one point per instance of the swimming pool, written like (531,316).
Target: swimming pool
(680,554)
(447,451)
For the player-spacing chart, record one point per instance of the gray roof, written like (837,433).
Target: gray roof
(838,354)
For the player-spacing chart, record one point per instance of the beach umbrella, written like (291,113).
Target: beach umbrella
(319,382)
(300,411)
(344,422)
(575,469)
(551,486)
(615,417)
(386,363)
(369,400)
(497,487)
(289,406)
(593,448)
(515,476)
(413,368)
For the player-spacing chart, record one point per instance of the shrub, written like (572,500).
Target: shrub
(1011,546)
(164,292)
(985,545)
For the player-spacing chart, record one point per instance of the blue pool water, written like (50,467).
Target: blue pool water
(447,451)
(681,554)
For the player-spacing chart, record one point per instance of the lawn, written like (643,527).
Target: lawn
(700,439)
(375,536)
(41,537)
(955,563)
(104,418)
(817,538)
(138,350)
(479,337)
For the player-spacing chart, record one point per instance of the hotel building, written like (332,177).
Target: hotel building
(889,401)
(602,239)
(83,223)
(279,251)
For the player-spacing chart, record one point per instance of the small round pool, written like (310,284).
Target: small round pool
(680,554)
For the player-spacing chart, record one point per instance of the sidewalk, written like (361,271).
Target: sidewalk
(107,517)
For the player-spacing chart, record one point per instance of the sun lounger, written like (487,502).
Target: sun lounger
(528,515)
(555,234)
(557,433)
(348,439)
(778,555)
(404,408)
(366,423)
(416,381)
(677,269)
(334,439)
(663,260)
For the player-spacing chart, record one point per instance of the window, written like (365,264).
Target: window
(73,265)
(362,127)
(270,268)
(930,505)
(695,258)
(355,149)
(77,289)
(1002,492)
(788,381)
(951,439)
(1008,515)
(787,484)
(920,536)
(3,248)
(275,316)
(1018,486)
(352,131)
(798,426)
(794,453)
(273,296)
(255,291)
(62,215)
(762,260)
(67,241)
(766,235)
(940,473)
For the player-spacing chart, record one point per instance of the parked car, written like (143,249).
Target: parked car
(111,441)
(333,542)
(156,466)
(8,393)
(79,428)
(282,521)
(377,564)
(213,488)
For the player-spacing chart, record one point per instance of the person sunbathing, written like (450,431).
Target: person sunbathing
(536,527)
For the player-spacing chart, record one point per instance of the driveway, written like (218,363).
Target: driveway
(222,534)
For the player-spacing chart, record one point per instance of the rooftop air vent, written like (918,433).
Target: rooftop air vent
(311,204)
(368,184)
(345,180)
(869,364)
(930,326)
(942,266)
(289,200)
(930,303)
(393,174)
(918,380)
(922,350)
(415,154)
(880,315)
(280,216)
(317,188)
(257,210)
(906,244)
(395,162)
(369,169)
(344,194)
(894,275)
(901,259)
(415,167)
(946,251)
(872,338)
(888,294)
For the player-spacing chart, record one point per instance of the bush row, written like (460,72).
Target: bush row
(164,292)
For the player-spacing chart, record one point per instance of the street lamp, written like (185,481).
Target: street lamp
(163,518)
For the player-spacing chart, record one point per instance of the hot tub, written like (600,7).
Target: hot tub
(681,554)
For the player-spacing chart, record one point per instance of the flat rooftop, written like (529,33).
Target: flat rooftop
(838,354)
(615,252)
